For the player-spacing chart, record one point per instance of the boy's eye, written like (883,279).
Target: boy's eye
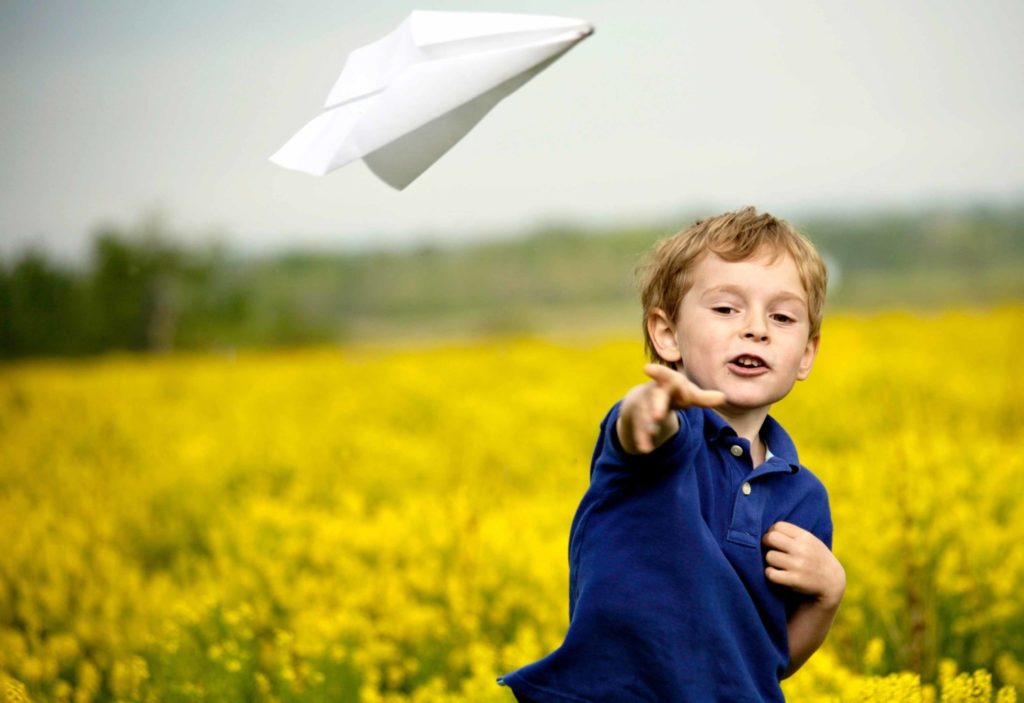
(783,318)
(724,309)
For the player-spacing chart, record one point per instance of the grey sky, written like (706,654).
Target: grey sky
(112,109)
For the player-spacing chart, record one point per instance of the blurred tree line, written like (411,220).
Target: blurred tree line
(141,290)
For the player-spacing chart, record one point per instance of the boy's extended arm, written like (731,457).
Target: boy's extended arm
(799,560)
(645,422)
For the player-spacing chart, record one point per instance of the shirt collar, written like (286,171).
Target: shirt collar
(778,439)
(717,430)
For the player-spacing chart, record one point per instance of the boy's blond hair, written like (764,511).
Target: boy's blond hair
(665,276)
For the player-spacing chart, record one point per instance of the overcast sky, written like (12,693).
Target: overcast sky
(110,110)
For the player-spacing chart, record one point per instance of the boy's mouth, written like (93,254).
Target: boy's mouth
(748,364)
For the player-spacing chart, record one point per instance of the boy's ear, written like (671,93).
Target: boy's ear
(662,332)
(807,361)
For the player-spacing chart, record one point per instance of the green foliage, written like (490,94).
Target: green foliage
(40,309)
(140,292)
(143,292)
(133,288)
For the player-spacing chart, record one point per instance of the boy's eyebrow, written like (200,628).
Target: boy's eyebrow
(738,290)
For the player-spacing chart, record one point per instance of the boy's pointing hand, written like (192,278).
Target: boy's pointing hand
(680,391)
(645,422)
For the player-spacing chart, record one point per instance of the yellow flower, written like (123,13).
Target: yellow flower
(391,524)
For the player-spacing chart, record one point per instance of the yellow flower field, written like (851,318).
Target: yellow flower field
(369,524)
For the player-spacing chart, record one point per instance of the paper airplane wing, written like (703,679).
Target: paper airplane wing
(405,100)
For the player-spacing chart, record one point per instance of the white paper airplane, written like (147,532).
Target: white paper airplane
(404,100)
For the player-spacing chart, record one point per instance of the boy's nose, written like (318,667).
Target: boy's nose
(755,326)
(756,331)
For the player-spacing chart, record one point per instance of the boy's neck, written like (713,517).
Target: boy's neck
(747,424)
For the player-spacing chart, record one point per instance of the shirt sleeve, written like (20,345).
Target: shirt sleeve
(611,457)
(822,526)
(811,510)
(814,515)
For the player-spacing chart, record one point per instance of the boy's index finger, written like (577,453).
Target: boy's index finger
(783,532)
(705,399)
(788,528)
(777,540)
(682,391)
(662,375)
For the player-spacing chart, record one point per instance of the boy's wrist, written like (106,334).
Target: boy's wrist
(832,596)
(828,603)
(667,428)
(625,429)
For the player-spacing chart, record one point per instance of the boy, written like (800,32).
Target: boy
(700,562)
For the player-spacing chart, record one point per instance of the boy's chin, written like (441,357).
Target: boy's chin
(740,403)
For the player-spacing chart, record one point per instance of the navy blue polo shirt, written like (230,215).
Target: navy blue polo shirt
(668,600)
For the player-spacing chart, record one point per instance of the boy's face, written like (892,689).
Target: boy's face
(743,328)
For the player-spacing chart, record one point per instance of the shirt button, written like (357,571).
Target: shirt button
(746,488)
(736,450)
